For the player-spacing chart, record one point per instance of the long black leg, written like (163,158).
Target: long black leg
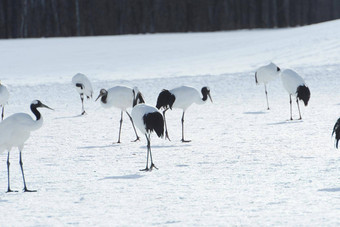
(133,125)
(3,111)
(265,90)
(147,154)
(82,104)
(183,140)
(297,102)
(149,147)
(166,128)
(23,175)
(290,102)
(8,178)
(120,125)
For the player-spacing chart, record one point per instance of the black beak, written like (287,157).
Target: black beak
(210,97)
(43,105)
(100,95)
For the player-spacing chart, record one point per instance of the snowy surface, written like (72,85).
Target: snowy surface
(245,166)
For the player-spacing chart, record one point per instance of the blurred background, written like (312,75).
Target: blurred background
(55,18)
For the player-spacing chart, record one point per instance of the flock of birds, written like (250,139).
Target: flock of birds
(15,129)
(292,82)
(294,85)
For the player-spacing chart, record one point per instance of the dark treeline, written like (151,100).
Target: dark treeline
(49,18)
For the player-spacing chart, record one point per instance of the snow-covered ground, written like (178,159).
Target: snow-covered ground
(245,165)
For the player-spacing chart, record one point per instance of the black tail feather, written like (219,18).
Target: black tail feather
(303,93)
(81,86)
(336,131)
(165,99)
(138,98)
(154,122)
(256,78)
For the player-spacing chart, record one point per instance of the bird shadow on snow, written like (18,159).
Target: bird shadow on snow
(102,146)
(68,117)
(124,177)
(255,112)
(286,122)
(329,190)
(167,146)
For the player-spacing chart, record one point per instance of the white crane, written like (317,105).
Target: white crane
(336,131)
(148,119)
(4,95)
(15,130)
(296,86)
(121,97)
(83,87)
(265,74)
(181,97)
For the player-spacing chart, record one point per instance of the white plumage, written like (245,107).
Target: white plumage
(4,96)
(181,97)
(121,97)
(138,113)
(265,74)
(148,119)
(295,86)
(291,80)
(16,129)
(83,87)
(185,96)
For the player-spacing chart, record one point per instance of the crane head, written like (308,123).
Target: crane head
(102,92)
(38,104)
(206,92)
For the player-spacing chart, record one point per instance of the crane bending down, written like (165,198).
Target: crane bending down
(148,119)
(265,74)
(181,97)
(83,87)
(336,131)
(295,86)
(121,97)
(15,130)
(4,95)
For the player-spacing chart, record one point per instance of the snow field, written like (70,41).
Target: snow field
(245,166)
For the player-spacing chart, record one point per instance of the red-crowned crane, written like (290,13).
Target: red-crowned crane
(121,97)
(148,119)
(295,86)
(336,131)
(4,95)
(15,130)
(265,74)
(181,97)
(83,87)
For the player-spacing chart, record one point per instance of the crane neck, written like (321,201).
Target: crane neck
(202,100)
(104,98)
(35,112)
(205,97)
